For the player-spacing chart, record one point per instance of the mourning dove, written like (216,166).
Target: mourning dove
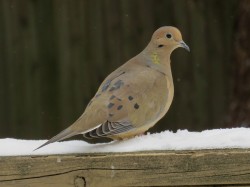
(133,97)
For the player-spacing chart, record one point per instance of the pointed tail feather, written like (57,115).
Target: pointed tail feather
(67,133)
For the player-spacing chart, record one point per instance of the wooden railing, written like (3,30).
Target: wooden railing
(230,167)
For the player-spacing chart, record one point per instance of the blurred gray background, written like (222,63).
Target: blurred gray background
(55,53)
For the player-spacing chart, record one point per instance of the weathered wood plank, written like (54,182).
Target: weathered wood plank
(163,168)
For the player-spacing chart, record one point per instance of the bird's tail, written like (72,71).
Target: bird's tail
(67,133)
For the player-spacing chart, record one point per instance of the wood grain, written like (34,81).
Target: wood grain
(163,168)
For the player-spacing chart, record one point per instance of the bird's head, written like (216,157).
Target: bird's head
(168,38)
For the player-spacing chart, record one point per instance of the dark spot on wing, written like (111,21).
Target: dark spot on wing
(148,66)
(118,84)
(112,97)
(130,98)
(110,105)
(119,99)
(97,95)
(110,115)
(106,85)
(112,89)
(136,106)
(121,73)
(119,107)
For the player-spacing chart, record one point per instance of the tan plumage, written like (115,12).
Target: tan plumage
(133,97)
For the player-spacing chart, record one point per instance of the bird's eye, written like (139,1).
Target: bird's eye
(169,36)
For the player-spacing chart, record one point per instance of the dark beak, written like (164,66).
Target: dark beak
(184,45)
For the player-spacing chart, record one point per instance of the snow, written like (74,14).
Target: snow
(167,140)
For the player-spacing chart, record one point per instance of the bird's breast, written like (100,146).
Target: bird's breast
(155,101)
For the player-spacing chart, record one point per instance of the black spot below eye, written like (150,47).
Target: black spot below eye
(160,46)
(136,106)
(169,36)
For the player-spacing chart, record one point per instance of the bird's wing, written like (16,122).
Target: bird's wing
(108,129)
(121,104)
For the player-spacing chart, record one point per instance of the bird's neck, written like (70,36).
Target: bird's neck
(159,60)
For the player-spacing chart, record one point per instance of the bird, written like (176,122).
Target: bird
(134,97)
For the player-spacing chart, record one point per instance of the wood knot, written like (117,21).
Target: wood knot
(80,181)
